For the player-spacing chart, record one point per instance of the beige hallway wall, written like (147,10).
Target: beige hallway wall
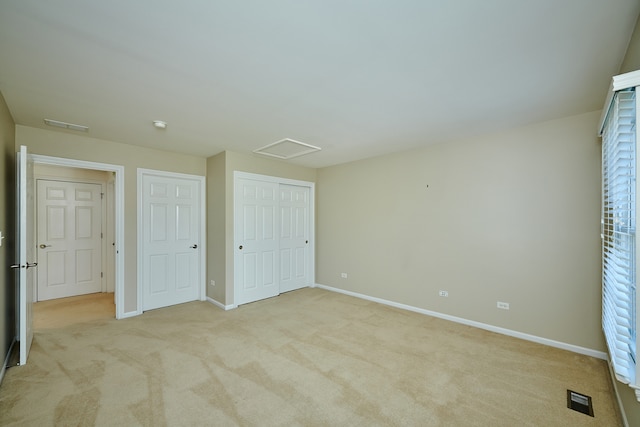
(8,228)
(71,146)
(510,217)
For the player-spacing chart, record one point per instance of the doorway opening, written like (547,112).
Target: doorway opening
(75,239)
(115,266)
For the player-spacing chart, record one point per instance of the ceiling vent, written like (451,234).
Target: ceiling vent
(65,125)
(287,149)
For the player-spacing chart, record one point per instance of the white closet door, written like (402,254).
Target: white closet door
(256,240)
(171,240)
(294,237)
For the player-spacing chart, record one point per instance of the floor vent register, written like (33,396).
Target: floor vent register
(579,402)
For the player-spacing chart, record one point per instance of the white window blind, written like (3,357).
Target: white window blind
(619,235)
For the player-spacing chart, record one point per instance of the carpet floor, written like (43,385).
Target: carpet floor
(308,358)
(57,313)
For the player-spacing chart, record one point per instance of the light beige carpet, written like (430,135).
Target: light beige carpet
(61,312)
(308,358)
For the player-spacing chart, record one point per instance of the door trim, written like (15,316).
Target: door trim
(203,232)
(312,217)
(119,218)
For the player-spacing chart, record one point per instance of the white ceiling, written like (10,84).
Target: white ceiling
(357,78)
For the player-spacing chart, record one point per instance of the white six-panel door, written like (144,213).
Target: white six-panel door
(294,237)
(273,229)
(256,240)
(69,238)
(171,247)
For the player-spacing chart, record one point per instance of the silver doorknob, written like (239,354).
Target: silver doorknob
(194,247)
(44,246)
(27,265)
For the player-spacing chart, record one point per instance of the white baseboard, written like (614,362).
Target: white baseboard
(497,329)
(222,306)
(6,361)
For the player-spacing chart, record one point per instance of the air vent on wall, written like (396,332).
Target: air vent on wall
(287,149)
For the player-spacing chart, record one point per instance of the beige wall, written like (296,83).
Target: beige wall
(66,173)
(8,228)
(631,60)
(221,223)
(78,147)
(216,250)
(510,217)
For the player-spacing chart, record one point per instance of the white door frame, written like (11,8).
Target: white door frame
(119,218)
(203,228)
(312,219)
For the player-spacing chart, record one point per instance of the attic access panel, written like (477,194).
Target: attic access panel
(287,149)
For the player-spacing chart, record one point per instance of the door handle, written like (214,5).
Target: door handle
(240,247)
(28,265)
(194,247)
(44,246)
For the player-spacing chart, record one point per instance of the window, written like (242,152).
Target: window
(618,234)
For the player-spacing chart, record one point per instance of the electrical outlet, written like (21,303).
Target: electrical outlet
(443,293)
(344,275)
(503,305)
(212,283)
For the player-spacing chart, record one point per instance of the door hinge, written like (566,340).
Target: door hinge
(101,274)
(101,236)
(102,195)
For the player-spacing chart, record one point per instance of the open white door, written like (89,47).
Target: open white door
(26,250)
